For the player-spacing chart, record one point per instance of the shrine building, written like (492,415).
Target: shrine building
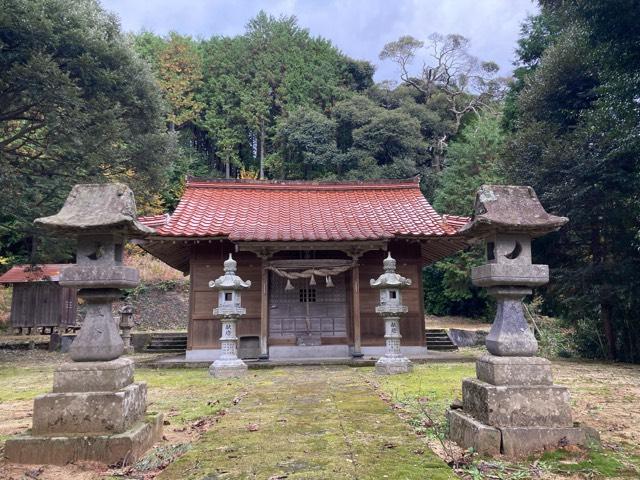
(309,249)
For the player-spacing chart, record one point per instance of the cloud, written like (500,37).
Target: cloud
(360,28)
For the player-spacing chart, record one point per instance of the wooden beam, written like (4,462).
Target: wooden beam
(264,313)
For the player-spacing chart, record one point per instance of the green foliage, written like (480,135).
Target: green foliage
(76,105)
(473,159)
(577,142)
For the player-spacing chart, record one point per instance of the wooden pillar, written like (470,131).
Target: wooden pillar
(355,302)
(264,313)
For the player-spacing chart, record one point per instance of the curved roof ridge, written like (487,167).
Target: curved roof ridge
(386,183)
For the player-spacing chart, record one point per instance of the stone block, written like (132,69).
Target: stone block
(228,369)
(108,449)
(93,376)
(89,412)
(393,366)
(514,370)
(516,406)
(493,274)
(521,441)
(469,433)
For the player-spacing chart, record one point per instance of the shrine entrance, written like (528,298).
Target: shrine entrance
(308,311)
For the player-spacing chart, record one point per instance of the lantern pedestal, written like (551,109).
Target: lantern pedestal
(513,408)
(393,362)
(96,412)
(228,365)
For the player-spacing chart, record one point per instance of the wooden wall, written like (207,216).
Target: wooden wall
(206,265)
(43,304)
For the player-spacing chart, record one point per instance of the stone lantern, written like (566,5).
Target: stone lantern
(126,324)
(512,407)
(229,312)
(96,412)
(391,307)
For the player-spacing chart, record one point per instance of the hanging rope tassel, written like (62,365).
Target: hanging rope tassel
(329,282)
(312,282)
(288,286)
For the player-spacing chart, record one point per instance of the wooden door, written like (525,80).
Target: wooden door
(307,310)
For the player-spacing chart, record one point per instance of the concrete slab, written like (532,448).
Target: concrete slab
(521,441)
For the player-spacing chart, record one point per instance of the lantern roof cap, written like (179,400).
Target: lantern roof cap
(97,208)
(229,281)
(390,279)
(510,209)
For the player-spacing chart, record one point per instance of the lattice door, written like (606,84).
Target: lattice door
(307,310)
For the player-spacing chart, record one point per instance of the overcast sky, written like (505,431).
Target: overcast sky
(359,28)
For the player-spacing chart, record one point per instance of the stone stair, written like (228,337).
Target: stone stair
(167,342)
(437,339)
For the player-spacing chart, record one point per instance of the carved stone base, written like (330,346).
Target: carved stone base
(514,409)
(393,366)
(228,368)
(467,432)
(119,448)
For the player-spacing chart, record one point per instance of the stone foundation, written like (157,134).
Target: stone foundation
(393,366)
(514,409)
(95,413)
(124,447)
(228,368)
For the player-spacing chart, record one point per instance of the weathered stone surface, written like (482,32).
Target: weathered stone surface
(467,338)
(93,376)
(99,338)
(469,433)
(94,207)
(510,335)
(109,449)
(393,366)
(99,276)
(510,208)
(514,370)
(494,274)
(517,406)
(520,441)
(89,412)
(228,368)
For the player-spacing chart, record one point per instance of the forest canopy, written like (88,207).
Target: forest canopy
(81,101)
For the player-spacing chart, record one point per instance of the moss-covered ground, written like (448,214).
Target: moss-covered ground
(312,423)
(334,423)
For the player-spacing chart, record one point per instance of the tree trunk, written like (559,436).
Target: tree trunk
(609,331)
(227,169)
(262,150)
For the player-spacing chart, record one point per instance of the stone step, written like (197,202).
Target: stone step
(437,339)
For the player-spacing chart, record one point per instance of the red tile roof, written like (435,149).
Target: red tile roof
(33,273)
(242,210)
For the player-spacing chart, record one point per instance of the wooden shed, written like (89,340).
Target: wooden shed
(277,231)
(39,302)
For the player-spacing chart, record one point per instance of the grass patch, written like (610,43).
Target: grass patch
(24,383)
